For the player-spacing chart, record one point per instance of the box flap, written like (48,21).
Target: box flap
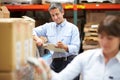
(4,12)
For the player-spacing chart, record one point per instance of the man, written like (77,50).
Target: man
(62,33)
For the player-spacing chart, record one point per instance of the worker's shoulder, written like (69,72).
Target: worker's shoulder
(89,55)
(92,52)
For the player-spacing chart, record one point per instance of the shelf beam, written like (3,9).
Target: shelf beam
(44,7)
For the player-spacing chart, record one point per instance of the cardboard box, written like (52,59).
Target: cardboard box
(7,76)
(95,16)
(114,1)
(25,73)
(29,44)
(11,44)
(4,12)
(16,43)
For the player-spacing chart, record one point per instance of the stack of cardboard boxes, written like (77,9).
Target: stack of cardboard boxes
(91,37)
(16,44)
(93,18)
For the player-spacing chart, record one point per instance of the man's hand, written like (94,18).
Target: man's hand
(39,40)
(61,45)
(44,39)
(43,71)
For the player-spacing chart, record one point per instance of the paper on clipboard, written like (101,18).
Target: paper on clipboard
(52,47)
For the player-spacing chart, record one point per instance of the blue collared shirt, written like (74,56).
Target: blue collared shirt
(91,65)
(66,32)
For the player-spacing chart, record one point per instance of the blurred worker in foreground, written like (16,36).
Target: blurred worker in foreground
(96,64)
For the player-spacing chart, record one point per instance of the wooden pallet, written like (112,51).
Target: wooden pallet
(91,34)
(91,38)
(87,47)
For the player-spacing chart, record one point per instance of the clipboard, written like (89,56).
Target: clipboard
(52,47)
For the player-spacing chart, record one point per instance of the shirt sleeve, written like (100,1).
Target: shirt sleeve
(70,72)
(75,41)
(40,30)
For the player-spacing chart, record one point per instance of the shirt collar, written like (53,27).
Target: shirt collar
(100,54)
(118,56)
(62,24)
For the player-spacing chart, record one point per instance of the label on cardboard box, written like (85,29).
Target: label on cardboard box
(94,26)
(18,55)
(26,49)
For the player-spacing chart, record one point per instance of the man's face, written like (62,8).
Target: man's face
(110,44)
(57,15)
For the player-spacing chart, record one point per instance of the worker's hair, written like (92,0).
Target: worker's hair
(110,25)
(55,6)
